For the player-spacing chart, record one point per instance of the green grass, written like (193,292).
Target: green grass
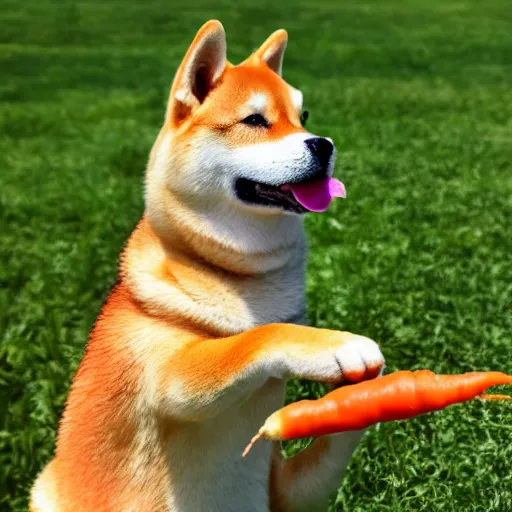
(418,97)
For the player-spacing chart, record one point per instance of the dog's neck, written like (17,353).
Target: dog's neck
(226,277)
(223,235)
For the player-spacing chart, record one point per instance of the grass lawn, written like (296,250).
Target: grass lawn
(417,96)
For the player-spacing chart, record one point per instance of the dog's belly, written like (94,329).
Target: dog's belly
(207,472)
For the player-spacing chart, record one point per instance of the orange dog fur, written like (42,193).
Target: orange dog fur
(192,348)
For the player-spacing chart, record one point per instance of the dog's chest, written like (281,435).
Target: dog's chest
(208,472)
(276,298)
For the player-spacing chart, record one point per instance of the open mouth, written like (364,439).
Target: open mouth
(262,194)
(311,196)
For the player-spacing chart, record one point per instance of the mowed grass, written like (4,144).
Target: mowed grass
(417,96)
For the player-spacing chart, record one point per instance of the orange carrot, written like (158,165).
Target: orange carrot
(397,396)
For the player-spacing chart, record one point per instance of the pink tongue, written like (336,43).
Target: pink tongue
(317,196)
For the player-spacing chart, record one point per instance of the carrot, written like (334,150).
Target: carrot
(397,396)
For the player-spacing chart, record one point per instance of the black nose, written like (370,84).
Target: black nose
(321,149)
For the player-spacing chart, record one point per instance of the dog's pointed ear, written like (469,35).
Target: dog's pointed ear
(201,68)
(271,52)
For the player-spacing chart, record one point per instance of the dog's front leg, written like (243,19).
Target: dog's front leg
(206,376)
(306,481)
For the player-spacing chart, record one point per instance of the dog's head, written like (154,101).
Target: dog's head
(234,133)
(233,168)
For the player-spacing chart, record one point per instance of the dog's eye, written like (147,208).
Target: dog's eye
(304,117)
(256,120)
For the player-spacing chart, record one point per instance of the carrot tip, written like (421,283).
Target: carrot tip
(485,396)
(258,436)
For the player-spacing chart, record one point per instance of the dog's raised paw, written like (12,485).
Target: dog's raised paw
(359,358)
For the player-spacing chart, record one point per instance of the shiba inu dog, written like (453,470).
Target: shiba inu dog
(192,348)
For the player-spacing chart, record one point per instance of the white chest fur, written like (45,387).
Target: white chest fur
(208,471)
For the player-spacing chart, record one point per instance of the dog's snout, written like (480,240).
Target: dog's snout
(321,149)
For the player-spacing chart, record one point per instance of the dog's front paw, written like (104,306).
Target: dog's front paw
(336,357)
(359,358)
